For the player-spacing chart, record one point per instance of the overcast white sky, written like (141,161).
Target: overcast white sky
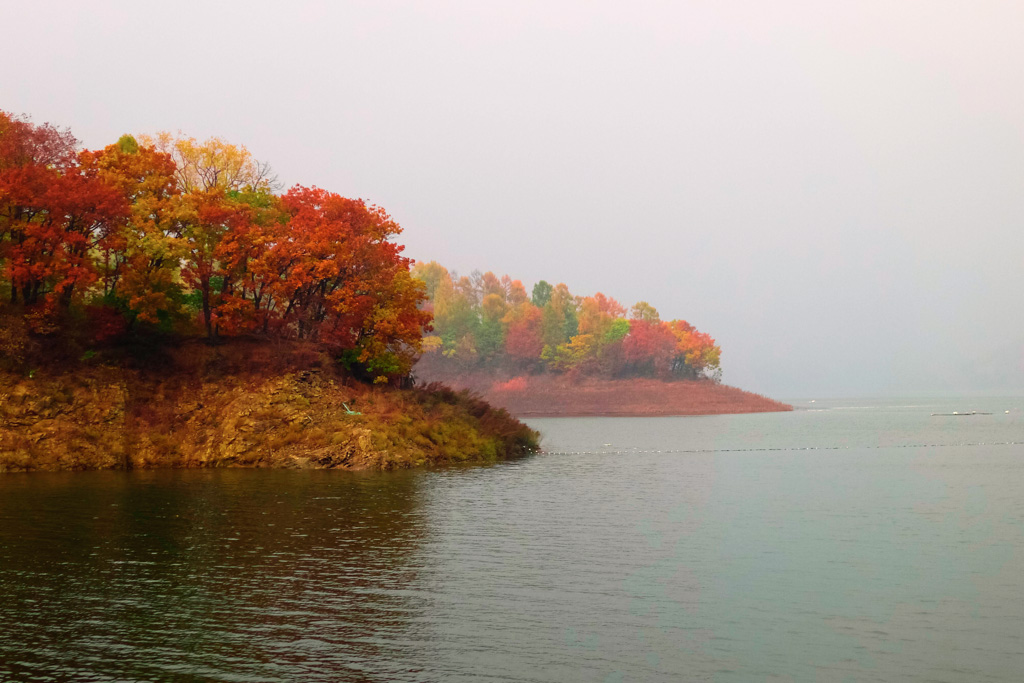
(834,190)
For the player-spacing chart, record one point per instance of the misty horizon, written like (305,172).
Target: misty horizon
(833,193)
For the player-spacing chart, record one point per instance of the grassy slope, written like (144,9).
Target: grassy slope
(244,404)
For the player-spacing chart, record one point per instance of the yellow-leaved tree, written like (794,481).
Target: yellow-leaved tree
(213,164)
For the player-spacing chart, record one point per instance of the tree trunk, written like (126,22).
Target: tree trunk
(208,316)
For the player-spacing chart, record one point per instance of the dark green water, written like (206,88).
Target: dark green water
(858,541)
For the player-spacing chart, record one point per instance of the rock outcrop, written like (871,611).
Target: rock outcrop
(208,414)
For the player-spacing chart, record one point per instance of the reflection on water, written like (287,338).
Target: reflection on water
(893,552)
(229,575)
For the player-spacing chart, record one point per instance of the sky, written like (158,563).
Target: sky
(833,190)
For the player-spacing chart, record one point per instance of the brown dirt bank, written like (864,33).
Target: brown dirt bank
(560,396)
(238,405)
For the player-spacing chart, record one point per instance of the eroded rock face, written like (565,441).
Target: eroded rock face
(291,421)
(60,423)
(115,418)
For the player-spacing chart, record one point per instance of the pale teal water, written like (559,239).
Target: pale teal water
(858,541)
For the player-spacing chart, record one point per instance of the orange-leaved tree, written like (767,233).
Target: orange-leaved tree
(54,215)
(140,264)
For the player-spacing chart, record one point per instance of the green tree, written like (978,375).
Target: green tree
(542,292)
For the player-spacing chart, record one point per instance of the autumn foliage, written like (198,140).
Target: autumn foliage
(483,322)
(172,236)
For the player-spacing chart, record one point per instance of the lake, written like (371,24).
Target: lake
(847,540)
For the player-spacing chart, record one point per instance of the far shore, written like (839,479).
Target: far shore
(560,396)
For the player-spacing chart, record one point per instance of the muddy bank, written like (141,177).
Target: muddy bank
(561,396)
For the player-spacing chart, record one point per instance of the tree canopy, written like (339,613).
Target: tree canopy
(168,234)
(482,321)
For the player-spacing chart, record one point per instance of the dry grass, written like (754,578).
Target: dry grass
(239,404)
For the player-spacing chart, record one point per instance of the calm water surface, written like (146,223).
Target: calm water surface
(853,541)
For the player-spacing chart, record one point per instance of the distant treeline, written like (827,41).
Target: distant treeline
(483,321)
(174,236)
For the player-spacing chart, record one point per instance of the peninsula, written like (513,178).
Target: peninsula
(163,305)
(553,354)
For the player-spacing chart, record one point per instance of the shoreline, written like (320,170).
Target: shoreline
(561,396)
(556,416)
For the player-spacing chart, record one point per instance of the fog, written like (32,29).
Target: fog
(832,190)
